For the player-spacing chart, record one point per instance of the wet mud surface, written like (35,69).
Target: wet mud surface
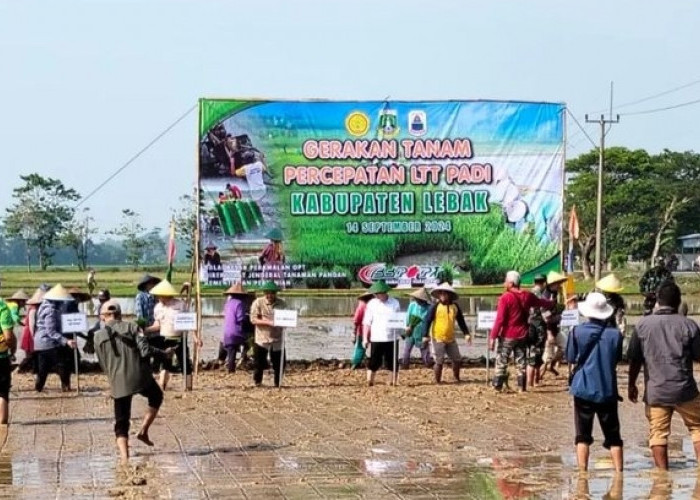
(326,435)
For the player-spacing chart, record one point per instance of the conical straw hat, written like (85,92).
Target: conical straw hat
(58,293)
(610,284)
(444,287)
(19,296)
(164,289)
(79,295)
(555,277)
(236,289)
(36,299)
(421,294)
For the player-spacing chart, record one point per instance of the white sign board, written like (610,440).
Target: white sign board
(397,320)
(285,317)
(185,322)
(404,283)
(485,320)
(74,323)
(570,317)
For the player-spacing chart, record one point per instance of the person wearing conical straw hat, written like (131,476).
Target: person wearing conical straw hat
(145,303)
(7,340)
(510,329)
(414,332)
(375,326)
(556,343)
(610,286)
(27,341)
(49,343)
(16,302)
(272,258)
(440,328)
(234,336)
(164,322)
(268,337)
(358,354)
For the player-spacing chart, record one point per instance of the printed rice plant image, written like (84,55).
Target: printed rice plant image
(489,245)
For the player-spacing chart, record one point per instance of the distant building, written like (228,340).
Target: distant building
(689,252)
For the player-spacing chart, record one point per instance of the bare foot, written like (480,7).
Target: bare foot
(144,439)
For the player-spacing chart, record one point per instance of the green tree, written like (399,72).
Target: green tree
(646,201)
(134,237)
(41,212)
(185,217)
(76,236)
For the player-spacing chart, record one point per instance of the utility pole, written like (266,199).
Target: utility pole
(599,205)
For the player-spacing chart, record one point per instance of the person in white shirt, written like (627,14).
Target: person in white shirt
(253,174)
(375,326)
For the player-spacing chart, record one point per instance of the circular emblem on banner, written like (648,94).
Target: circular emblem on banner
(357,123)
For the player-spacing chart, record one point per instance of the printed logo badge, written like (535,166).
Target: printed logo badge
(357,123)
(417,123)
(388,124)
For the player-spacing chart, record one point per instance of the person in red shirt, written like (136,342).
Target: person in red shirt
(511,328)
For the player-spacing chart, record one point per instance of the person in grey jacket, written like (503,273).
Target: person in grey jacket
(49,342)
(123,354)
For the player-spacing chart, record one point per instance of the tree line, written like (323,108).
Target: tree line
(43,227)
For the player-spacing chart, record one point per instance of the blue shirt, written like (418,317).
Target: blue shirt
(596,380)
(144,306)
(48,326)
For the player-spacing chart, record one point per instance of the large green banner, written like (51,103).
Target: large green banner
(323,194)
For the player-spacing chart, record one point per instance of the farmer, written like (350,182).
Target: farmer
(49,342)
(537,334)
(595,347)
(16,303)
(666,344)
(29,328)
(384,340)
(556,344)
(611,287)
(211,256)
(440,328)
(234,337)
(164,322)
(509,332)
(268,337)
(416,328)
(7,342)
(272,257)
(123,355)
(144,306)
(358,354)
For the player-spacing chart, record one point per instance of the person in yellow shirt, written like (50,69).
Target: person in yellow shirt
(440,329)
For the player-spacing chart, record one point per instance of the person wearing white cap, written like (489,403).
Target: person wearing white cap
(595,347)
(511,327)
(48,340)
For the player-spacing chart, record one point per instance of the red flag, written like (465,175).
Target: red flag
(573,224)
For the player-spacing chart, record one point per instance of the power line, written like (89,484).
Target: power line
(581,128)
(653,96)
(137,155)
(658,110)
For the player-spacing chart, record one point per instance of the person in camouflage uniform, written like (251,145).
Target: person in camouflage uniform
(651,281)
(537,335)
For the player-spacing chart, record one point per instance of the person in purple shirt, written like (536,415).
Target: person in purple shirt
(235,335)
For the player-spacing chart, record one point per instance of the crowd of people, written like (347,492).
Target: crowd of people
(526,328)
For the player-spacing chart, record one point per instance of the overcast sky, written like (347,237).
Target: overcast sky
(84,85)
